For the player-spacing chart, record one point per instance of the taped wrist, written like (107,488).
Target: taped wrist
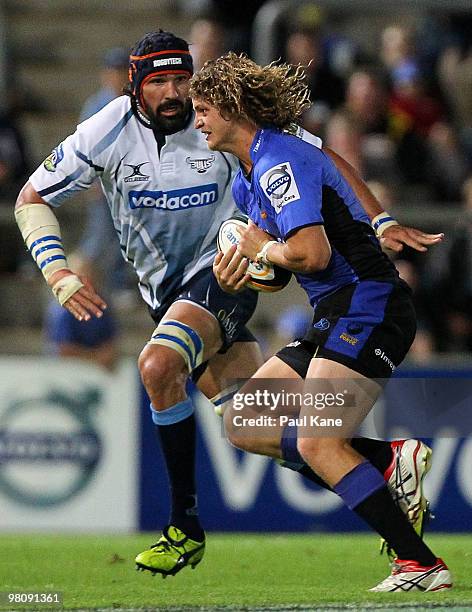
(42,235)
(381,222)
(262,255)
(65,287)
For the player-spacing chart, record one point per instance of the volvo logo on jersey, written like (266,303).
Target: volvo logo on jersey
(278,182)
(280,186)
(176,199)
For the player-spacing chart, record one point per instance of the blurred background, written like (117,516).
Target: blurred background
(391,91)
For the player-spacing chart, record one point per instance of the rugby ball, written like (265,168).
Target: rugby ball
(264,277)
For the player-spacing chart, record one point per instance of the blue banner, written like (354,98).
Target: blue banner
(244,492)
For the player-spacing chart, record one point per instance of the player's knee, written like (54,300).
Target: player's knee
(159,371)
(237,436)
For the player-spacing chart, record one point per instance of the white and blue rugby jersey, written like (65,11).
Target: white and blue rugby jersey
(166,207)
(294,184)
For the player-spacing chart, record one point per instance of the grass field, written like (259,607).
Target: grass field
(239,572)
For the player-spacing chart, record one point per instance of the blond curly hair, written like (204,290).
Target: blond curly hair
(273,95)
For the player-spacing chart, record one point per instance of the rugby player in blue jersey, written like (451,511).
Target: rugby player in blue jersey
(168,195)
(306,218)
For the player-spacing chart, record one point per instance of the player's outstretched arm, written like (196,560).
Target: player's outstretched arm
(41,232)
(392,235)
(396,236)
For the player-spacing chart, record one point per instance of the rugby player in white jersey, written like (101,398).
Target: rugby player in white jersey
(168,195)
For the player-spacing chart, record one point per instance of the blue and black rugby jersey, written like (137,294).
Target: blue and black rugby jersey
(294,184)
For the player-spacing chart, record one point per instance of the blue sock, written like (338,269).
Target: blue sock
(174,414)
(288,446)
(292,459)
(358,484)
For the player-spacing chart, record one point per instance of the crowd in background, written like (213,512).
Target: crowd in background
(399,110)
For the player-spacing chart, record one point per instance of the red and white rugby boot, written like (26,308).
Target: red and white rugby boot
(410,576)
(411,462)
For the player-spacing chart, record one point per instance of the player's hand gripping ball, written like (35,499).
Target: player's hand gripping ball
(265,277)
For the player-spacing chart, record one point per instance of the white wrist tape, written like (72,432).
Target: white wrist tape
(262,255)
(42,235)
(66,287)
(381,222)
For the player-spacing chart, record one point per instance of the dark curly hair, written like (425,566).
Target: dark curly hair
(273,95)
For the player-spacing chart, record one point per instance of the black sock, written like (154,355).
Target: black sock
(378,452)
(380,512)
(178,447)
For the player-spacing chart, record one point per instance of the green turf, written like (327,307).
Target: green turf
(238,571)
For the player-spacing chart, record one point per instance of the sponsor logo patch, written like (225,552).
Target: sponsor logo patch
(228,321)
(349,339)
(177,199)
(379,353)
(280,186)
(200,165)
(257,145)
(136,174)
(54,159)
(168,60)
(322,324)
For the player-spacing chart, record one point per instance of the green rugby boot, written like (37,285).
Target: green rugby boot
(171,553)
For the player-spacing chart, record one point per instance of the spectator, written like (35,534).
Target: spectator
(304,46)
(410,103)
(412,114)
(366,100)
(13,161)
(364,127)
(14,168)
(459,282)
(342,134)
(448,165)
(449,293)
(113,77)
(237,23)
(427,152)
(207,39)
(428,147)
(397,47)
(455,75)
